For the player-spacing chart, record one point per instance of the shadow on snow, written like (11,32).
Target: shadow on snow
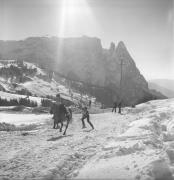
(59,137)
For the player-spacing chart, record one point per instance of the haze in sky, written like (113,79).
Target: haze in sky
(145,26)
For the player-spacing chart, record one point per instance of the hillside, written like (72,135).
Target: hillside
(84,60)
(135,145)
(167,92)
(165,86)
(167,83)
(20,79)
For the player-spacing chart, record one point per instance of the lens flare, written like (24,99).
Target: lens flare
(75,16)
(74,19)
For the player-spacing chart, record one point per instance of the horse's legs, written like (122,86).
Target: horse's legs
(61,126)
(57,125)
(68,120)
(54,124)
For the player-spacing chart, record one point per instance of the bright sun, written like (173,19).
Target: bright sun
(73,13)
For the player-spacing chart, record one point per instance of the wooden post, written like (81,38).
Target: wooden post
(121,79)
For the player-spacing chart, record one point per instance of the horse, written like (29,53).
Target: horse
(61,114)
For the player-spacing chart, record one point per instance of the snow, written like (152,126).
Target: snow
(31,65)
(45,152)
(8,63)
(136,127)
(139,152)
(135,145)
(8,96)
(23,119)
(40,85)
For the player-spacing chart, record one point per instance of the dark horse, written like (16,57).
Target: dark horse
(60,114)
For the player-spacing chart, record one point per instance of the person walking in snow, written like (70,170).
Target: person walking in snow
(85,115)
(55,111)
(114,107)
(60,114)
(119,107)
(89,103)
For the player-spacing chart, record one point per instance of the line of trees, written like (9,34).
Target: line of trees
(46,102)
(15,102)
(19,71)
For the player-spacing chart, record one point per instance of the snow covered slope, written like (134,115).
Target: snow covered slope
(8,96)
(28,79)
(144,151)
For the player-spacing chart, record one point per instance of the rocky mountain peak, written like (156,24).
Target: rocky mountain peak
(122,53)
(84,59)
(121,45)
(121,49)
(112,47)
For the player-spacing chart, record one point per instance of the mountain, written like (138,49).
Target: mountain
(83,60)
(165,86)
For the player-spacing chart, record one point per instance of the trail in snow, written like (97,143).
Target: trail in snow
(136,145)
(45,152)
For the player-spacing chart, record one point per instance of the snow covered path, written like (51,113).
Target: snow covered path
(133,146)
(44,152)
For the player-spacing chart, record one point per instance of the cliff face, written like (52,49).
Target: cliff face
(133,84)
(84,59)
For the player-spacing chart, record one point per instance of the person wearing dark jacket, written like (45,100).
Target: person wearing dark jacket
(119,107)
(90,103)
(114,109)
(58,110)
(85,115)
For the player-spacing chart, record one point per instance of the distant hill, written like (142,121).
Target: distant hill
(165,86)
(84,60)
(20,79)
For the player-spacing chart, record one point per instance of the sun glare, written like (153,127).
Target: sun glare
(72,14)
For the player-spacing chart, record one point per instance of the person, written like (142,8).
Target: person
(69,115)
(89,103)
(58,110)
(133,105)
(58,99)
(71,95)
(119,107)
(114,107)
(85,115)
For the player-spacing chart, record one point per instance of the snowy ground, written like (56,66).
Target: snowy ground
(23,119)
(136,145)
(8,96)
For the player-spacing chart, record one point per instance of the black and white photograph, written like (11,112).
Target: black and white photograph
(86,89)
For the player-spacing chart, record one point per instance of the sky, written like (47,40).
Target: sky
(145,26)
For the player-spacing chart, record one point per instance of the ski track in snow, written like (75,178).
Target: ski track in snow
(128,146)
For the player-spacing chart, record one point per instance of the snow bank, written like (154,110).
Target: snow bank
(140,152)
